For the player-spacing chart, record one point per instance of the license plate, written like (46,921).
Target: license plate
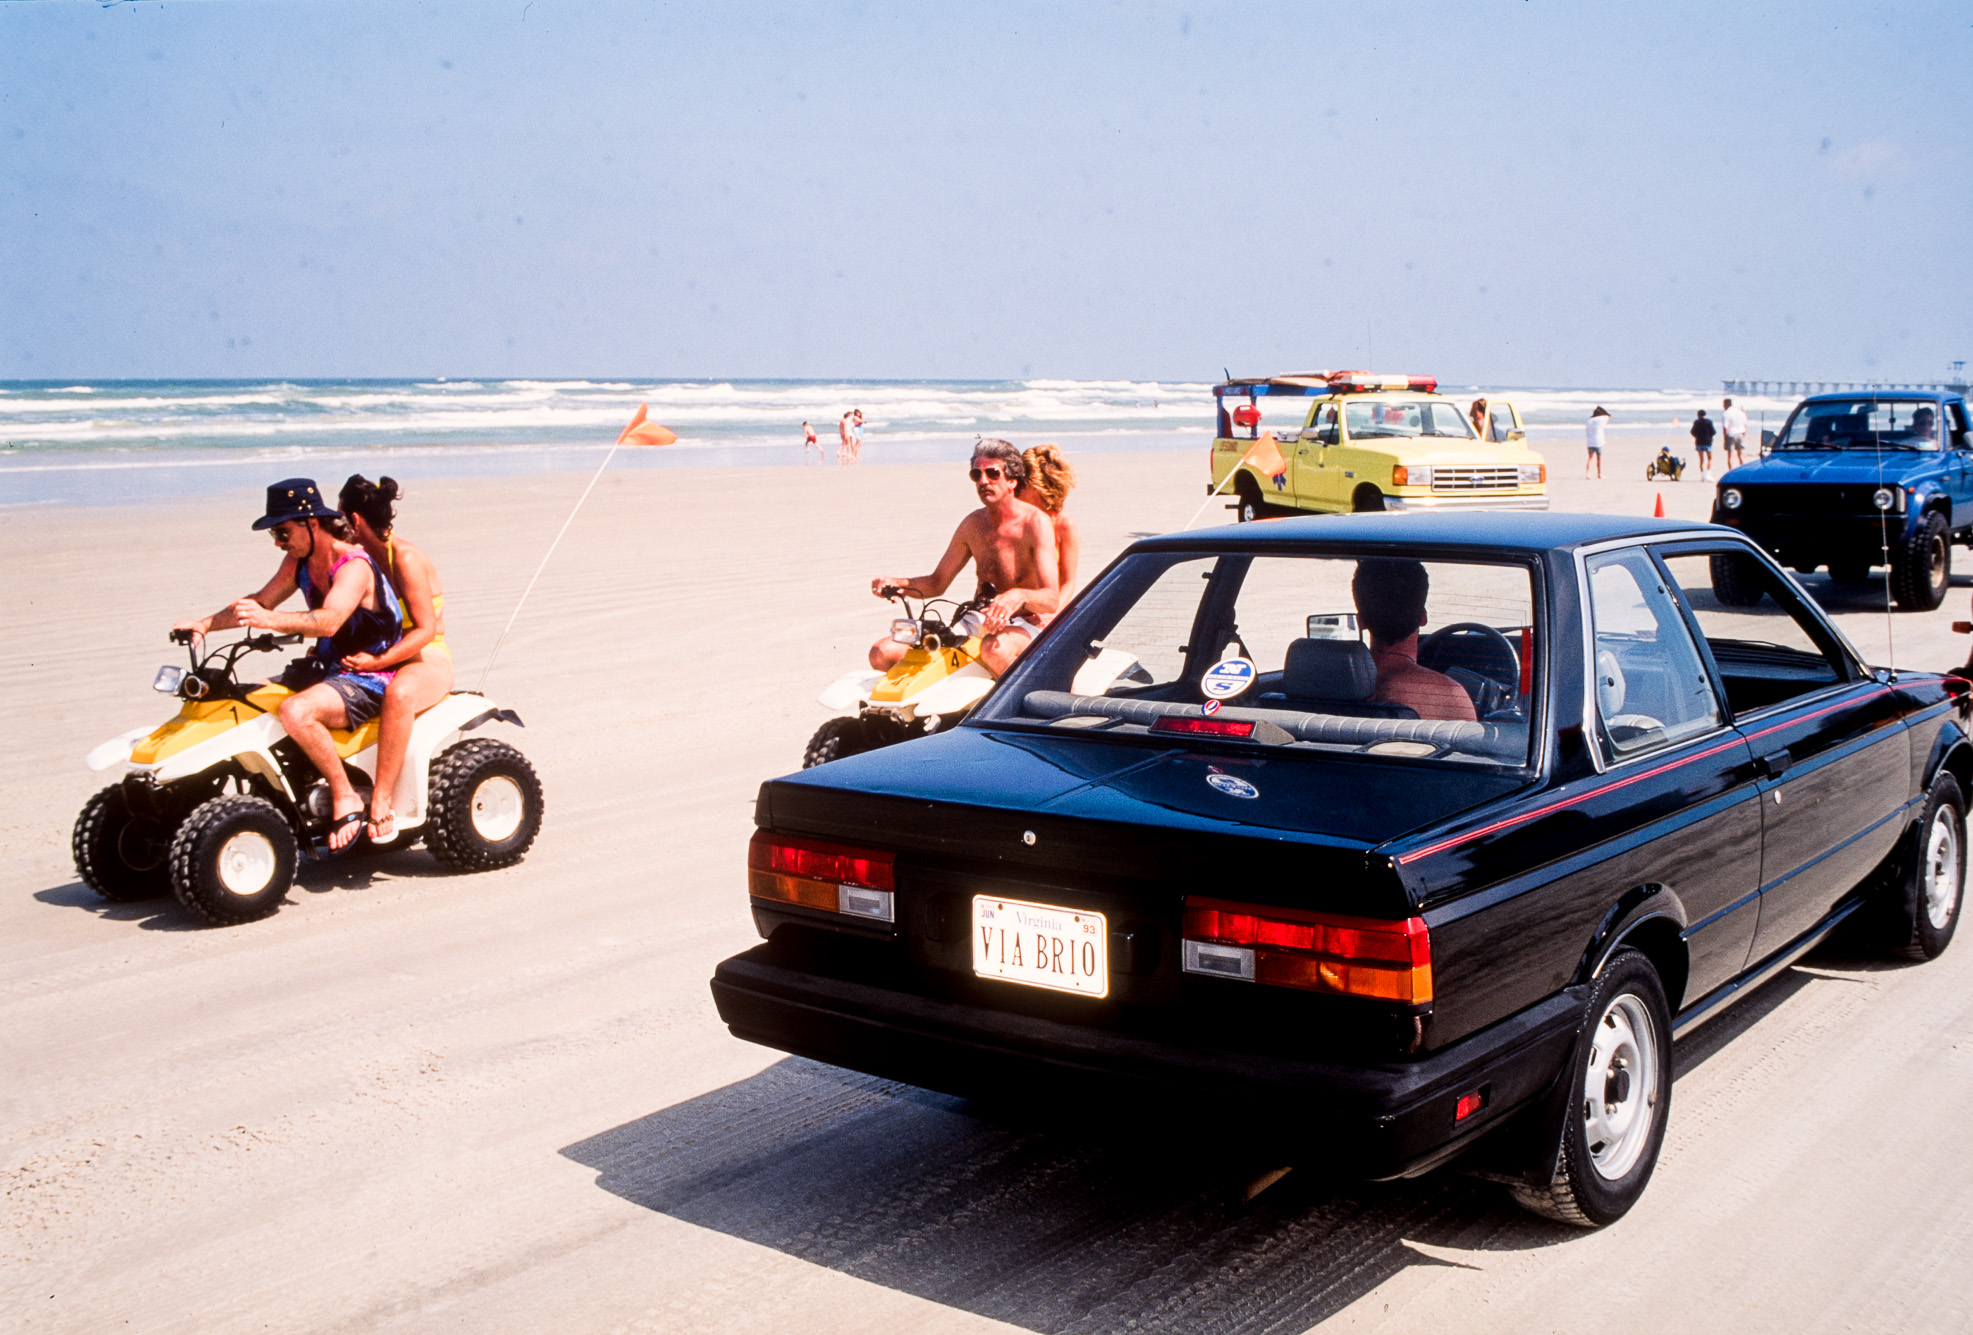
(1041,945)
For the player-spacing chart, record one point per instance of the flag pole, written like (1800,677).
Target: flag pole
(1234,472)
(638,433)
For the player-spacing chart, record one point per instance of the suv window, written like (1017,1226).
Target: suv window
(1652,689)
(1767,653)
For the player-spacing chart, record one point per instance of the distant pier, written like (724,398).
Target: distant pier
(1957,385)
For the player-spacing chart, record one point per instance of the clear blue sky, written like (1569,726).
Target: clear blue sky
(1508,193)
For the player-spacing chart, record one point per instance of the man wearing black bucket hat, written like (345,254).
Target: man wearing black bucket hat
(351,609)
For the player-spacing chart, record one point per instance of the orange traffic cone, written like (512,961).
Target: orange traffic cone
(1659,512)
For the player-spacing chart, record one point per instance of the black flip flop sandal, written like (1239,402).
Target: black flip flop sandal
(353,818)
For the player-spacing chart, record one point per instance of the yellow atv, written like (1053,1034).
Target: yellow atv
(936,683)
(219,803)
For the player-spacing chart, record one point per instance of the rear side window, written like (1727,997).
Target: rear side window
(1651,686)
(1767,653)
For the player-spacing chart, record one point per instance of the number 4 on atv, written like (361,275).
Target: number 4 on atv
(219,802)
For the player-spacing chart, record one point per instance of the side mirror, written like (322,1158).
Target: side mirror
(1767,440)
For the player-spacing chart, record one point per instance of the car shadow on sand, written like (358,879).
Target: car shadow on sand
(1070,1225)
(356,871)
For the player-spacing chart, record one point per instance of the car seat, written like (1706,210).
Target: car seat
(1332,677)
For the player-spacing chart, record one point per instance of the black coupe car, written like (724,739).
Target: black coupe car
(1411,835)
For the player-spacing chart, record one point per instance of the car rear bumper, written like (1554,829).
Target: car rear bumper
(1375,1121)
(1477,501)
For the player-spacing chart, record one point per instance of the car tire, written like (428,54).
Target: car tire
(835,739)
(1615,1098)
(233,859)
(1921,569)
(1922,904)
(1736,582)
(486,806)
(120,855)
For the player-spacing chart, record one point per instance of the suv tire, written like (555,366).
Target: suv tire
(1921,568)
(1736,580)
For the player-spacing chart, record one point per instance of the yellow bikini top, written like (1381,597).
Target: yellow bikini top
(390,558)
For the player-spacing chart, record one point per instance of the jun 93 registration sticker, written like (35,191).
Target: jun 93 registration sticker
(1041,945)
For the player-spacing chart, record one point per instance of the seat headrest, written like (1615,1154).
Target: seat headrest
(1330,669)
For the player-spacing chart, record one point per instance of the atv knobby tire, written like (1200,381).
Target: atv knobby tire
(485,806)
(233,859)
(120,855)
(835,739)
(1921,568)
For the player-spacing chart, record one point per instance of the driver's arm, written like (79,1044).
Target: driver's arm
(345,596)
(957,553)
(272,594)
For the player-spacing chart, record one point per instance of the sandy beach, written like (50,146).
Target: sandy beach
(422,1102)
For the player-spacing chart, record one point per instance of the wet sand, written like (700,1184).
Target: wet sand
(414,1101)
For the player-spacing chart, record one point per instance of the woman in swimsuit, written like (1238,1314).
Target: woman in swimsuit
(422,660)
(1050,480)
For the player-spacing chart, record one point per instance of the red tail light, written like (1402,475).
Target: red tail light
(789,869)
(1213,727)
(1319,952)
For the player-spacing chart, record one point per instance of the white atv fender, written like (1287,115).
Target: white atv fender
(848,693)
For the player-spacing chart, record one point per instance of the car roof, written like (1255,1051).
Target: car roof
(1495,531)
(1868,396)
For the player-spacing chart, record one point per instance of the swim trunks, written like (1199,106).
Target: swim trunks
(361,703)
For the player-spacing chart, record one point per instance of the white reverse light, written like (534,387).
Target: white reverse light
(862,902)
(1219,961)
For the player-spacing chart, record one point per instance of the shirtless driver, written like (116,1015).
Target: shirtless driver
(1012,547)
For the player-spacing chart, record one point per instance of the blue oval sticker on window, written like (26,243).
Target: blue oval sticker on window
(1228,677)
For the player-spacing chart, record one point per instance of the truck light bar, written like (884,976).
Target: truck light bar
(1318,952)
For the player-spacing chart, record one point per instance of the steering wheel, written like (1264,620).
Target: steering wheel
(1489,652)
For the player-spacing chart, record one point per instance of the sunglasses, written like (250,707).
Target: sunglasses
(976,474)
(282,533)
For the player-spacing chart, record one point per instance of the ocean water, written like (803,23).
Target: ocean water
(117,440)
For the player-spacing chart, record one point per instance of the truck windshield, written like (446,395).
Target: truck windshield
(1380,417)
(1863,424)
(1424,661)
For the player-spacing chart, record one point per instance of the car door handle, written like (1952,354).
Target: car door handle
(1774,764)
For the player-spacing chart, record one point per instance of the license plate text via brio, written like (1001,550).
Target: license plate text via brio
(1040,945)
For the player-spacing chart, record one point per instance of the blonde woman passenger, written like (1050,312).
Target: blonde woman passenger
(422,660)
(1050,480)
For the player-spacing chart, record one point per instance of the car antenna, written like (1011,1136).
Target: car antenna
(638,432)
(1884,550)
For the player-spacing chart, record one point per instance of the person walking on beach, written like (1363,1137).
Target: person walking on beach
(421,661)
(1733,425)
(843,438)
(352,610)
(1702,442)
(810,443)
(1478,412)
(856,436)
(1012,547)
(1050,480)
(1598,421)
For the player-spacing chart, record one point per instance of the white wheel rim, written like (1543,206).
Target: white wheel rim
(497,808)
(246,863)
(1942,870)
(1620,1087)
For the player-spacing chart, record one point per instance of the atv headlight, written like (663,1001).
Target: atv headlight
(905,631)
(167,679)
(1730,498)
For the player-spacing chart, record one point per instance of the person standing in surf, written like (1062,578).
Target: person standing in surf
(810,444)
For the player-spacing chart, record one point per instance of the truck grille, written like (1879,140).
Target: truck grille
(1808,499)
(1476,478)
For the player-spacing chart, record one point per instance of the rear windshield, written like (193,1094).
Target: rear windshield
(1418,660)
(1864,424)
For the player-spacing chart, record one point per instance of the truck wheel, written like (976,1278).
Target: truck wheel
(1922,903)
(1617,1093)
(486,806)
(1735,581)
(835,739)
(1921,570)
(1368,500)
(120,855)
(233,859)
(1251,508)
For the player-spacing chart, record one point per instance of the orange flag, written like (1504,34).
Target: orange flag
(1265,456)
(641,432)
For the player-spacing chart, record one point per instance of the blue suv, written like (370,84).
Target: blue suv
(1855,481)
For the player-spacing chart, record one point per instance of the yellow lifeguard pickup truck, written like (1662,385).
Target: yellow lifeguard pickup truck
(1348,441)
